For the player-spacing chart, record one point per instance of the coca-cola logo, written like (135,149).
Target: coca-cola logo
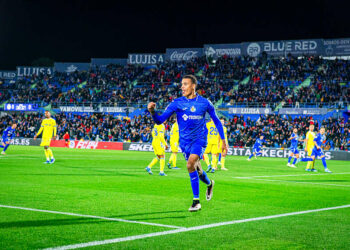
(184,56)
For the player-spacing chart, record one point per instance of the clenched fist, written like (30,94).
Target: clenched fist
(151,107)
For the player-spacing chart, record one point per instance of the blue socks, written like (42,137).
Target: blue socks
(324,162)
(220,157)
(289,159)
(204,177)
(251,156)
(195,184)
(258,154)
(7,145)
(295,160)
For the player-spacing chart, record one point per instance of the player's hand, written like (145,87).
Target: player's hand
(166,147)
(35,137)
(54,138)
(151,107)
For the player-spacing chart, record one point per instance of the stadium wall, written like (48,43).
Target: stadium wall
(147,147)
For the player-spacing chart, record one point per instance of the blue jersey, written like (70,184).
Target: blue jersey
(294,141)
(8,134)
(319,139)
(258,143)
(191,118)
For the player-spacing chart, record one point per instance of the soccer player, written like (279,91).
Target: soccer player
(294,152)
(49,129)
(317,150)
(174,145)
(159,145)
(66,139)
(223,154)
(257,148)
(7,136)
(310,136)
(212,147)
(190,110)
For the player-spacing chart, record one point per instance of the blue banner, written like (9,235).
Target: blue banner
(146,59)
(283,48)
(103,62)
(183,54)
(70,67)
(217,50)
(29,71)
(20,107)
(8,75)
(337,47)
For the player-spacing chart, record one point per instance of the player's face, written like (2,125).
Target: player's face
(47,114)
(187,87)
(14,126)
(295,131)
(261,137)
(322,130)
(312,127)
(222,122)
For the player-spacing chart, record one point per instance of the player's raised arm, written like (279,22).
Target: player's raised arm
(159,119)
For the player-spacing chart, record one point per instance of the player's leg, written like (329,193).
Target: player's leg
(206,156)
(47,154)
(323,159)
(194,178)
(289,159)
(154,160)
(162,164)
(6,146)
(170,160)
(296,157)
(252,154)
(51,155)
(175,160)
(204,178)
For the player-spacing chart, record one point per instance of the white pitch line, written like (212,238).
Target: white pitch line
(270,176)
(143,236)
(303,182)
(90,216)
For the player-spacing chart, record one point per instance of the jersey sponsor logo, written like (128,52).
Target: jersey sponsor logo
(185,117)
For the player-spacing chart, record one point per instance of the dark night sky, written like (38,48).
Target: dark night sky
(79,30)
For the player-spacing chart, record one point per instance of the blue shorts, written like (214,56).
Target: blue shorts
(294,151)
(196,147)
(317,152)
(256,150)
(4,140)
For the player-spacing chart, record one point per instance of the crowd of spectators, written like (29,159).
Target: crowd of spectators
(241,132)
(245,80)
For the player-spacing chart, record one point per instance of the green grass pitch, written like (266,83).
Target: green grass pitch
(114,184)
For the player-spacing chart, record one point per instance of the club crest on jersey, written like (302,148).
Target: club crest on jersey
(193,109)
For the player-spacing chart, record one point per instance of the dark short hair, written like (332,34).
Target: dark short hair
(192,78)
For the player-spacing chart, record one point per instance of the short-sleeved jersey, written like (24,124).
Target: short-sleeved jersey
(191,118)
(319,139)
(174,133)
(258,143)
(213,134)
(49,128)
(158,133)
(294,141)
(8,133)
(310,136)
